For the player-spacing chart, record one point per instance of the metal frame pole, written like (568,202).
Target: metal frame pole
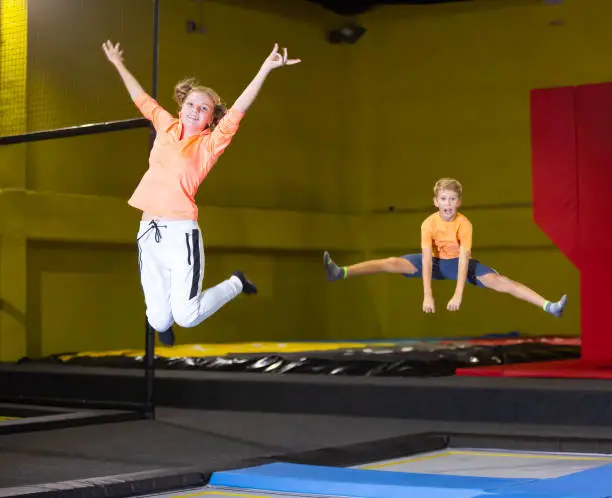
(149,359)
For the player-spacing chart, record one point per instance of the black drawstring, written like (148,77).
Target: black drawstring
(153,225)
(158,237)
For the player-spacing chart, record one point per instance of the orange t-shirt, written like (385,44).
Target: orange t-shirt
(177,166)
(446,237)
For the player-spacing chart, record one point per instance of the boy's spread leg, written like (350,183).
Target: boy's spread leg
(386,265)
(556,309)
(500,283)
(334,272)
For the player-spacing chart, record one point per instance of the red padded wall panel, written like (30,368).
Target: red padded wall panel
(572,175)
(594,145)
(554,167)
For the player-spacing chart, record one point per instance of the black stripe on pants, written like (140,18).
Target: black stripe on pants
(195,247)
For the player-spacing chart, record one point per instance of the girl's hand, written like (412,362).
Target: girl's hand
(276,60)
(113,53)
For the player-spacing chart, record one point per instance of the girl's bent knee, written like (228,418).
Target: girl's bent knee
(159,322)
(186,316)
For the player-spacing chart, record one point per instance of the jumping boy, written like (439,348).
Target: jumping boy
(446,243)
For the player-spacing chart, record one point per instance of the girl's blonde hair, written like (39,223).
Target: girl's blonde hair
(183,88)
(448,184)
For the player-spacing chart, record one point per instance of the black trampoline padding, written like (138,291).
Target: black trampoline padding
(149,482)
(118,486)
(401,446)
(401,359)
(22,417)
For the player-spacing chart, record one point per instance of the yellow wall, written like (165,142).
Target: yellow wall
(13,70)
(450,97)
(428,91)
(264,209)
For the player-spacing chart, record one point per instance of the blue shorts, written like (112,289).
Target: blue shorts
(447,269)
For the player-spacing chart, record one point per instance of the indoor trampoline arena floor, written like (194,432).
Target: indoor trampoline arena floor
(451,472)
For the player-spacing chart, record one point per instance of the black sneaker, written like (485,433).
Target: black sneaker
(248,287)
(167,337)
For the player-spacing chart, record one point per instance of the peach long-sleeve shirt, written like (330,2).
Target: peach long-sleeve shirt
(177,165)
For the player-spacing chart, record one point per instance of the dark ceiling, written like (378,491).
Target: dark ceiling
(353,7)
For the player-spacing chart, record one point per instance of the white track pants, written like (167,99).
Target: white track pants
(171,261)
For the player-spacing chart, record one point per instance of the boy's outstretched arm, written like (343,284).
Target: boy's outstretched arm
(428,299)
(427,255)
(465,253)
(464,260)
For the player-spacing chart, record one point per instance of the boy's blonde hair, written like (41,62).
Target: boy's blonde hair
(448,184)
